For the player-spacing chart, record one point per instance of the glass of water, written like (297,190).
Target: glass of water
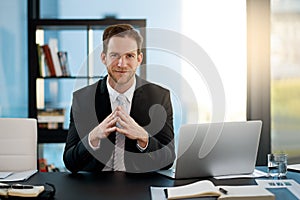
(277,165)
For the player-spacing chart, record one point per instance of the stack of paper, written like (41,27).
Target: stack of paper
(16,176)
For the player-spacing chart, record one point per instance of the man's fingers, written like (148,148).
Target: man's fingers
(110,117)
(123,116)
(122,123)
(112,122)
(110,130)
(122,131)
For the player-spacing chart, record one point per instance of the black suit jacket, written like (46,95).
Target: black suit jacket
(151,108)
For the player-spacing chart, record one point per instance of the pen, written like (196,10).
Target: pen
(4,186)
(17,186)
(166,193)
(223,190)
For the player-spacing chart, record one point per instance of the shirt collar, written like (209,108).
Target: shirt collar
(113,94)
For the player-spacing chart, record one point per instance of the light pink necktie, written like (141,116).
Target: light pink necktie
(120,141)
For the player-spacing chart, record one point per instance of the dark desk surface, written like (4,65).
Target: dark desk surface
(118,185)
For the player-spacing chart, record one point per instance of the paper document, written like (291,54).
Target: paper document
(18,176)
(255,174)
(157,193)
(4,174)
(289,184)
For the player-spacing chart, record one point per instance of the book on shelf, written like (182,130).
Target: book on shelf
(51,118)
(48,59)
(51,125)
(53,45)
(41,61)
(206,188)
(64,64)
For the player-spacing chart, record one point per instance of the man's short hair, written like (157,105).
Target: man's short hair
(121,30)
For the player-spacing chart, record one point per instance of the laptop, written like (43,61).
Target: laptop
(18,144)
(216,149)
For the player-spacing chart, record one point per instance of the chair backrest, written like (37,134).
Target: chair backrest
(18,144)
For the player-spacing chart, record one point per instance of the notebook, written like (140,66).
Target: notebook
(216,149)
(207,190)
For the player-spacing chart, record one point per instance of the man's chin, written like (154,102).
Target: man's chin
(122,81)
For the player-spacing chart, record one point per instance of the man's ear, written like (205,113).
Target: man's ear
(140,58)
(103,58)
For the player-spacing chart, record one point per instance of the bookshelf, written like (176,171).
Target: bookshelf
(39,85)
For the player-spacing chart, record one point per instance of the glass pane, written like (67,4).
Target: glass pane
(285,82)
(221,34)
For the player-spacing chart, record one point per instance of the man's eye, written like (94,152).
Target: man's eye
(130,56)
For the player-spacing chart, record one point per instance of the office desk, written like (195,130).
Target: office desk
(119,185)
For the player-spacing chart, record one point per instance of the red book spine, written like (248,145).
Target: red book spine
(49,60)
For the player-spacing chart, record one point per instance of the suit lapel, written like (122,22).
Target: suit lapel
(137,99)
(102,103)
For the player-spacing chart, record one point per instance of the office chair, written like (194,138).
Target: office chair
(18,144)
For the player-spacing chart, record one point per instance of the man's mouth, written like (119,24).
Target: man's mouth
(121,71)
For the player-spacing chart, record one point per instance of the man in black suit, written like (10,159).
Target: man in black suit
(122,122)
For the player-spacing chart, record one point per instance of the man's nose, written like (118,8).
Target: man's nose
(121,61)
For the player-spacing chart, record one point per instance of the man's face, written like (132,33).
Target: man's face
(121,60)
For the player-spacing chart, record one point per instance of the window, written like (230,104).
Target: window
(285,78)
(219,27)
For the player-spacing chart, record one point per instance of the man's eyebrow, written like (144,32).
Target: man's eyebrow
(131,52)
(112,52)
(125,53)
